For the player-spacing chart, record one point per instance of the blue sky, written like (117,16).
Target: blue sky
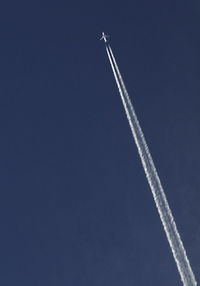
(75,206)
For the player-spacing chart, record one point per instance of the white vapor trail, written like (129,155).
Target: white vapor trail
(160,199)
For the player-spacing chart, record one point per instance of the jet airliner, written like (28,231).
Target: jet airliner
(104,37)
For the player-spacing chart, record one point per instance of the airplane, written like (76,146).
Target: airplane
(104,37)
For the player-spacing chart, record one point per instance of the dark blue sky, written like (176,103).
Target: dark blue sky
(75,206)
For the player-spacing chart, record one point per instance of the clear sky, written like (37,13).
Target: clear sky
(75,206)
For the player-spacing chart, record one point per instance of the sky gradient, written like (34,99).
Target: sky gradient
(75,206)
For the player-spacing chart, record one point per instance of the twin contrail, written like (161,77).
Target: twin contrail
(160,199)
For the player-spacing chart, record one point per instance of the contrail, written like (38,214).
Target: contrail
(160,199)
